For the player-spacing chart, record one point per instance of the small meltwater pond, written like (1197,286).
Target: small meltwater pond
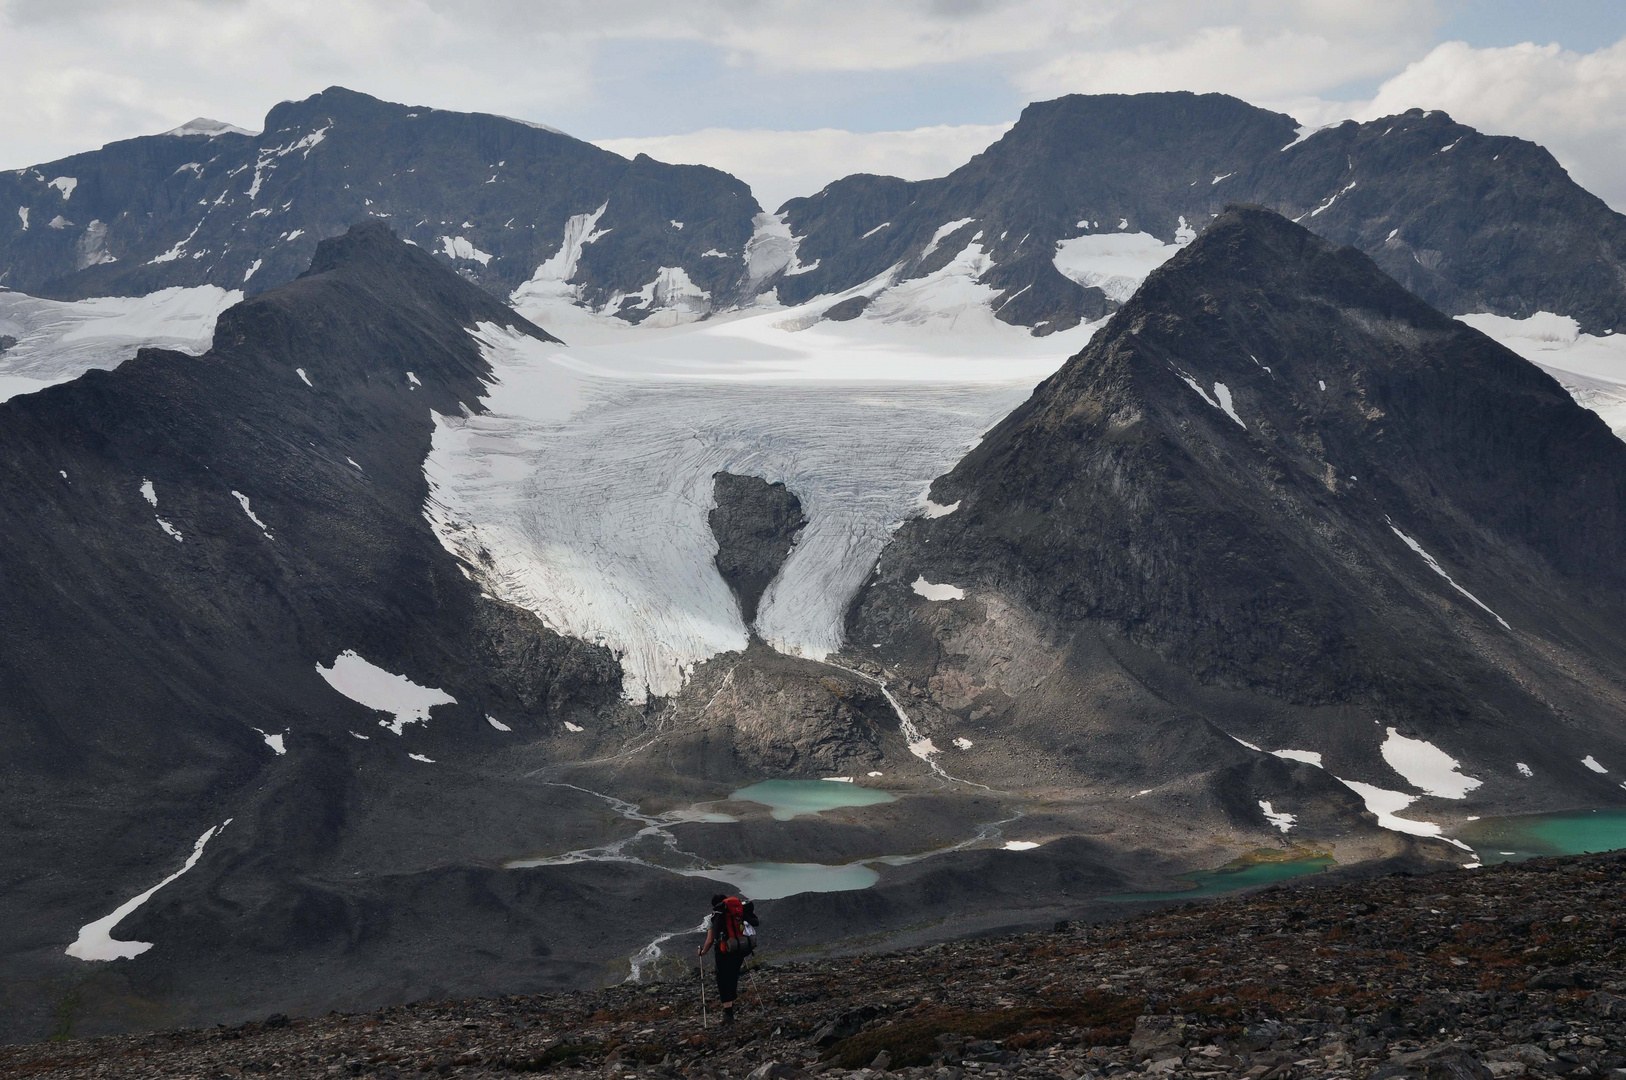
(774,881)
(1514,839)
(787,799)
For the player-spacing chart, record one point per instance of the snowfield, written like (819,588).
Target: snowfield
(1591,368)
(589,481)
(60,340)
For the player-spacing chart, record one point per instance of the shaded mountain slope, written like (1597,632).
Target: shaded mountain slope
(489,196)
(1234,500)
(183,541)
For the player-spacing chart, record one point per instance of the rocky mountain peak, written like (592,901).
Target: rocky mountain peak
(1277,472)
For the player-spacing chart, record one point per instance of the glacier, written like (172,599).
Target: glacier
(582,493)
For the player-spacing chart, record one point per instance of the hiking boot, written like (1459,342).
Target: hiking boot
(728,1016)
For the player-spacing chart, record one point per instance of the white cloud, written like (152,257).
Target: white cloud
(780,165)
(1572,103)
(83,72)
(1280,64)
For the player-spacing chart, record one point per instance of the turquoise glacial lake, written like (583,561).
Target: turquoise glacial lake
(1513,839)
(787,799)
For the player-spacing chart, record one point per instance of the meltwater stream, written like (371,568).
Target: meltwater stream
(760,880)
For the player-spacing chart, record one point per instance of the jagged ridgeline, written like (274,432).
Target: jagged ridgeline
(1055,223)
(1064,215)
(489,195)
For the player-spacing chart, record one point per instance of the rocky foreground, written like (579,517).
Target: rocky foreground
(1510,971)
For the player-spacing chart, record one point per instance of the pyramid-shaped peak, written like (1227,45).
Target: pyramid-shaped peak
(202,125)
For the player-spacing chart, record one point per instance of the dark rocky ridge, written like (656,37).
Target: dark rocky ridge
(138,668)
(505,186)
(755,524)
(1513,971)
(1492,223)
(1131,538)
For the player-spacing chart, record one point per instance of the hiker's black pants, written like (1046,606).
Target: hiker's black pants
(728,975)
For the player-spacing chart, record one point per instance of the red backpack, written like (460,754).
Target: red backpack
(736,938)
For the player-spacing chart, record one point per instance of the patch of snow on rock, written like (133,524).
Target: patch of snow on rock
(306,379)
(242,500)
(925,588)
(1115,263)
(1592,763)
(148,492)
(1434,565)
(934,510)
(1524,770)
(672,298)
(1281,819)
(369,685)
(422,758)
(771,249)
(942,233)
(1020,845)
(1387,804)
(96,941)
(1427,767)
(498,724)
(22,213)
(1309,757)
(1223,393)
(169,530)
(65,184)
(573,727)
(458,247)
(963,743)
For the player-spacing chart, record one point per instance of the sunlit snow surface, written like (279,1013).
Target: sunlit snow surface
(1591,367)
(1427,767)
(589,481)
(1114,262)
(96,941)
(60,340)
(368,684)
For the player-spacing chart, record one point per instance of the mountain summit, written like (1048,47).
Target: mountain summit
(210,204)
(1281,499)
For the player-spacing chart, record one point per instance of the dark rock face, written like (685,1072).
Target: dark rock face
(762,714)
(1209,502)
(486,195)
(1110,157)
(755,524)
(153,635)
(1469,222)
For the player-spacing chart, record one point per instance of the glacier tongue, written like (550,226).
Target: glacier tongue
(589,480)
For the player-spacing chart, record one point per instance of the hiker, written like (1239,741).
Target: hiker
(732,930)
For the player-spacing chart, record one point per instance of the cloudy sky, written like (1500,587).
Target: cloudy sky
(790,94)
